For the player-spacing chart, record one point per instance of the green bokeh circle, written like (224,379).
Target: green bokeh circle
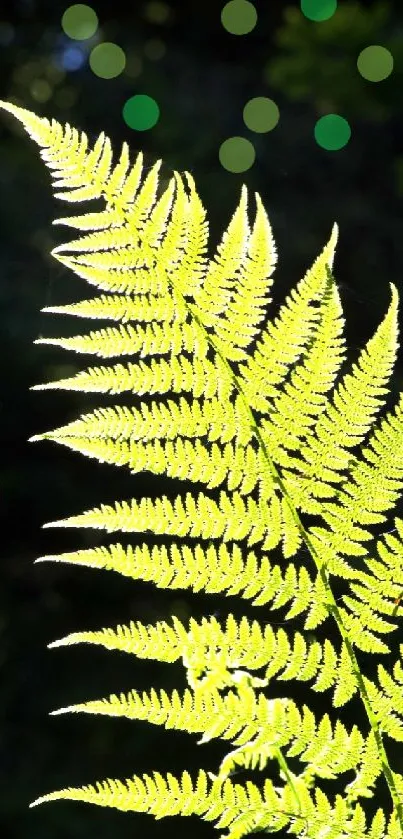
(261,114)
(107,60)
(332,132)
(239,17)
(375,63)
(79,22)
(237,154)
(318,10)
(141,112)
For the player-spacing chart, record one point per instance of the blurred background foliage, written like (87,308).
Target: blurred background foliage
(317,64)
(202,77)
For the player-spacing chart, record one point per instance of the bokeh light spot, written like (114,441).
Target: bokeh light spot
(154,49)
(107,60)
(141,112)
(237,154)
(72,58)
(318,10)
(239,17)
(24,73)
(375,63)
(157,12)
(80,22)
(54,74)
(332,132)
(261,114)
(41,90)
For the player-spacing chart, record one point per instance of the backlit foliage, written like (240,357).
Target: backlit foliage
(298,465)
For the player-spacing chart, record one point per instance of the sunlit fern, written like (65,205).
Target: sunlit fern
(298,466)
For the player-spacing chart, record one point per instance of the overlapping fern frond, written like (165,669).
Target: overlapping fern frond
(296,463)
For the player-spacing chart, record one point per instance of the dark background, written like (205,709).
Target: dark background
(201,84)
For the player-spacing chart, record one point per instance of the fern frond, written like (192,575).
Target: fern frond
(211,653)
(126,340)
(376,481)
(212,570)
(285,339)
(343,425)
(235,288)
(227,804)
(143,307)
(305,396)
(168,420)
(194,515)
(241,809)
(257,727)
(256,406)
(386,698)
(199,378)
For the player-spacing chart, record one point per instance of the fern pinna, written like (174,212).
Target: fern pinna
(302,467)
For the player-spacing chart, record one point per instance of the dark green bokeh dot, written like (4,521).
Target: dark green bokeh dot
(318,10)
(332,132)
(141,112)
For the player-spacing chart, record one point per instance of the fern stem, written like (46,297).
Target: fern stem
(288,776)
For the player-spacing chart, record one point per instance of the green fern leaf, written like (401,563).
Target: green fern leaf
(265,414)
